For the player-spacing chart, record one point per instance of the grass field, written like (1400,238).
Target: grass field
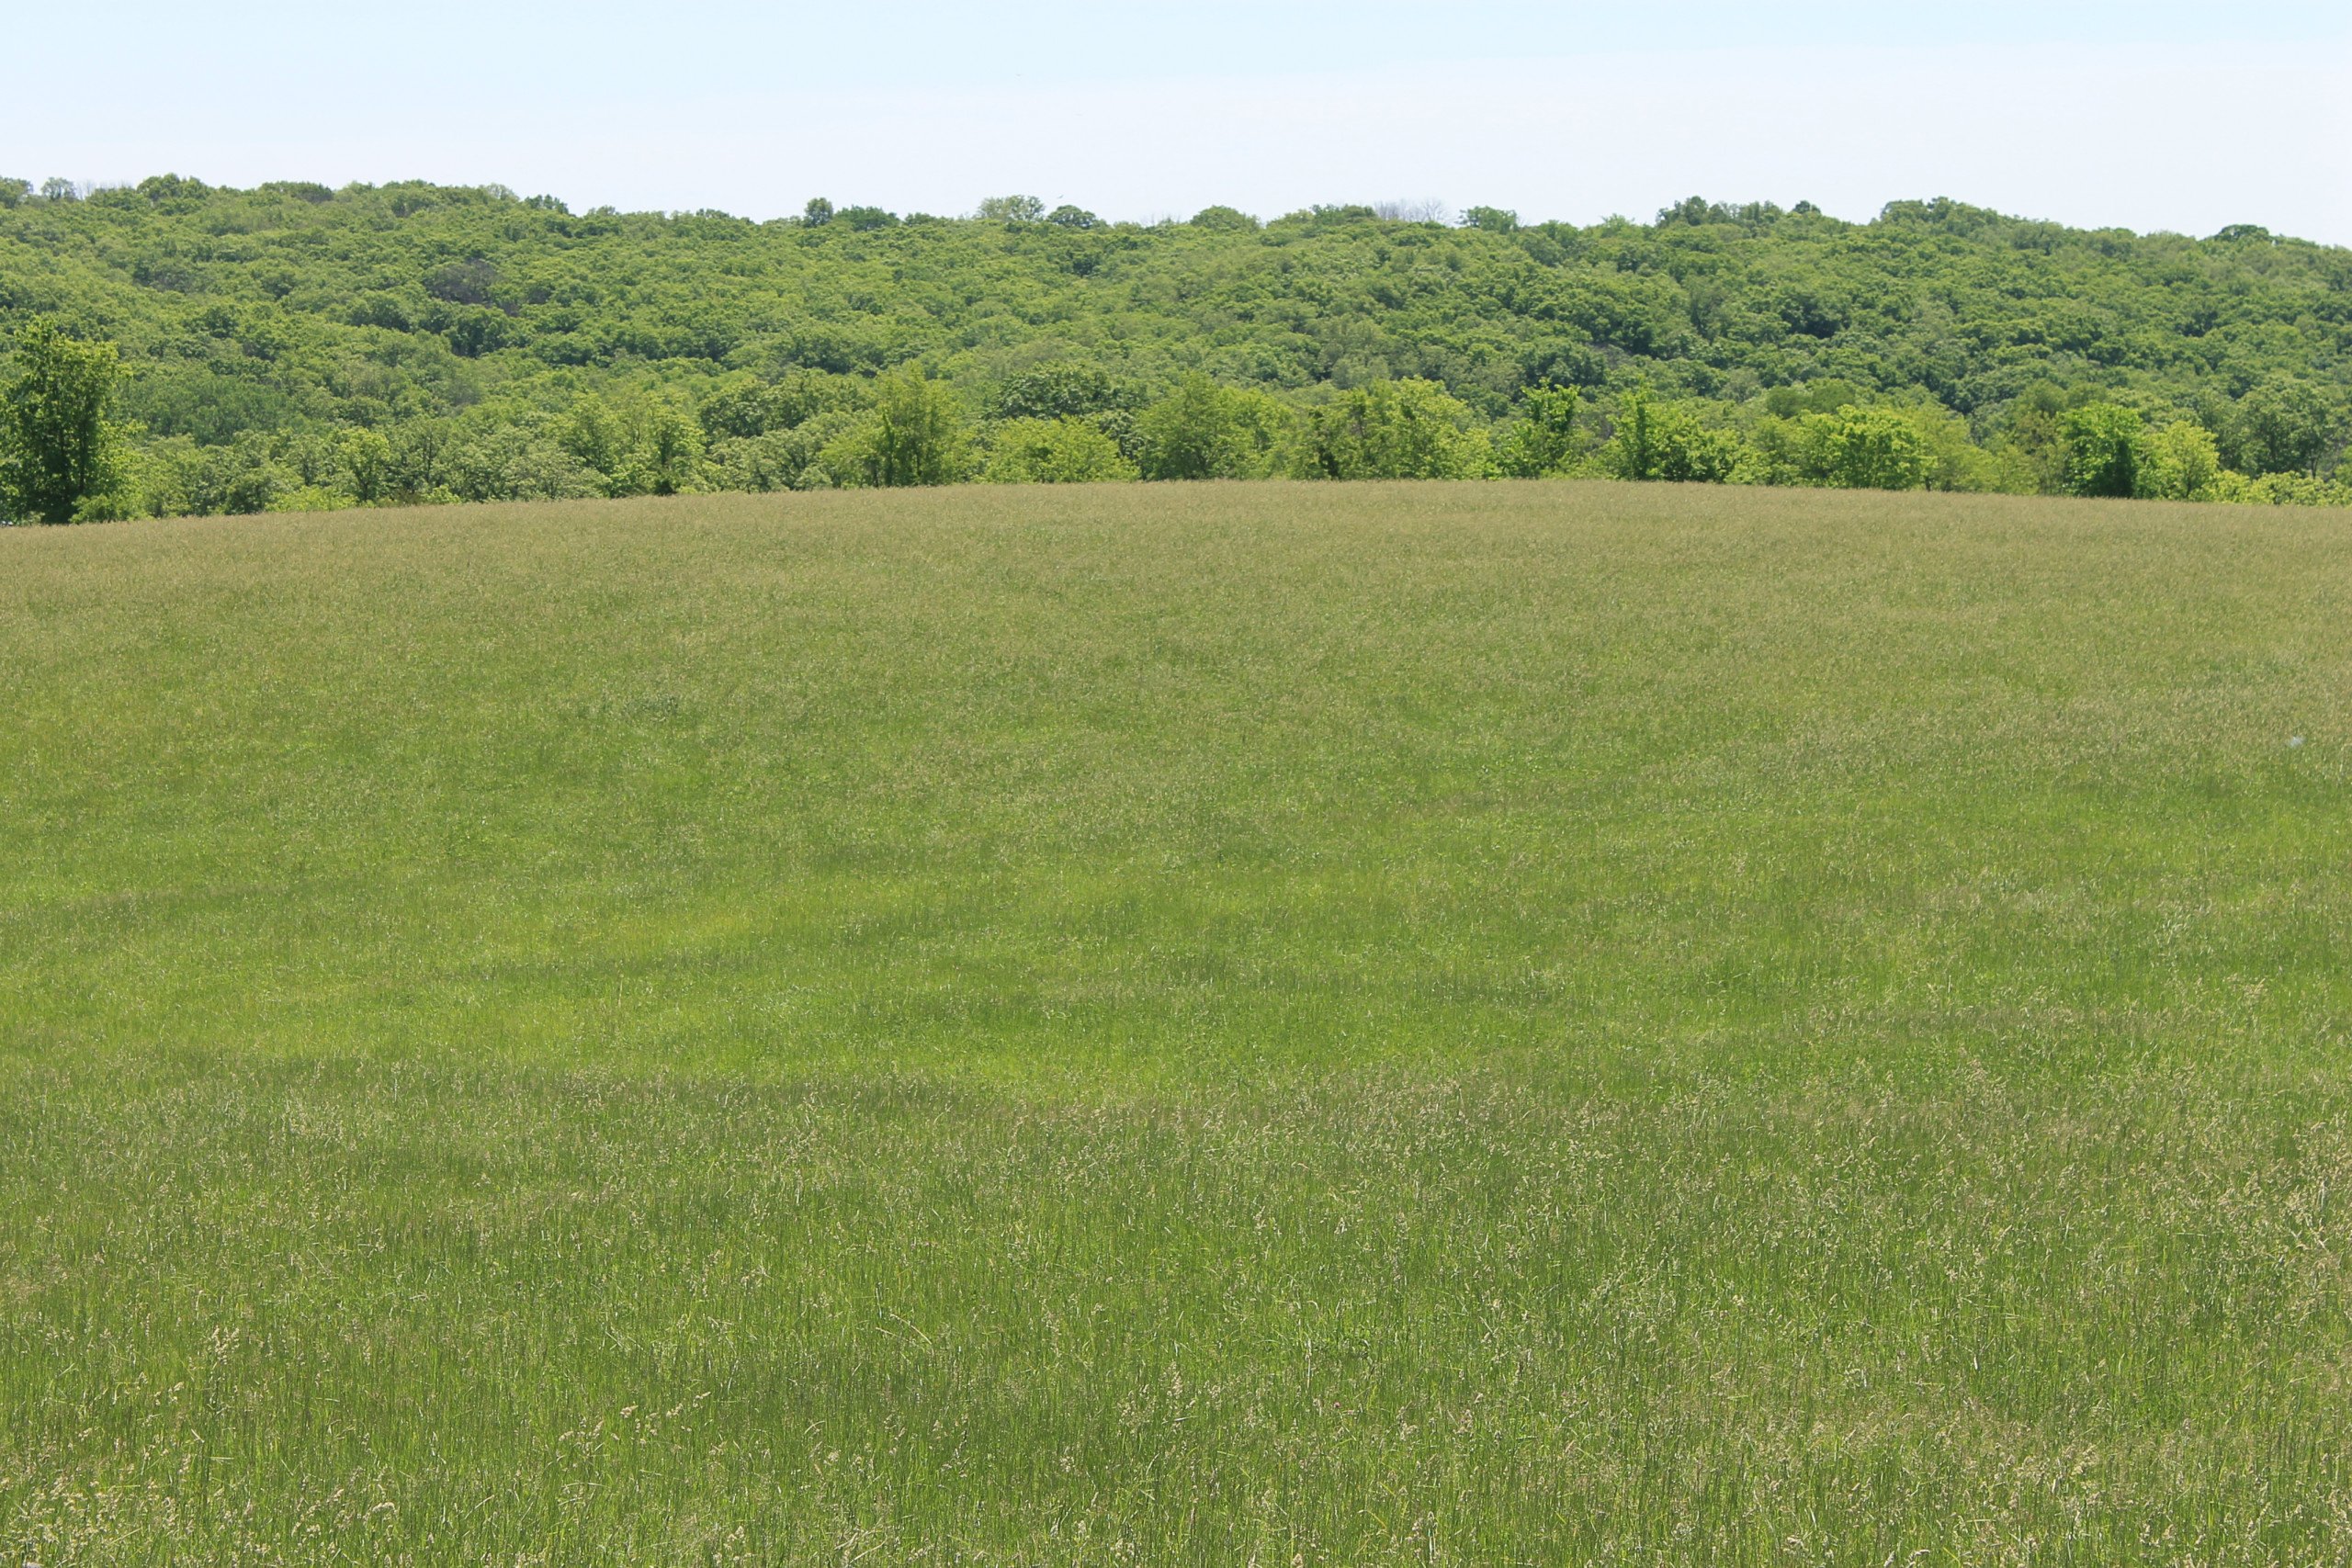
(1294,1025)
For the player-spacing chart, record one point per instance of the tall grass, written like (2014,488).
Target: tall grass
(1209,1024)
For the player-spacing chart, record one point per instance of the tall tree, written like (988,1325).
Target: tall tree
(1398,430)
(1192,434)
(667,452)
(1202,430)
(1543,442)
(2180,462)
(61,454)
(1012,209)
(2105,447)
(916,434)
(1856,448)
(2285,426)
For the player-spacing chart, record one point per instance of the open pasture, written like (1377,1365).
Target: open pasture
(1286,1024)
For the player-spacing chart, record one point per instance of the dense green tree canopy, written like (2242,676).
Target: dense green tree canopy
(296,345)
(61,459)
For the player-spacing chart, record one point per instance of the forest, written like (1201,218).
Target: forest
(175,348)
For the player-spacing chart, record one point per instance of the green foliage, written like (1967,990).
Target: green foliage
(1225,219)
(469,327)
(665,458)
(745,405)
(365,456)
(62,455)
(915,434)
(787,458)
(1397,430)
(772,436)
(1667,441)
(2287,426)
(1875,449)
(2180,462)
(1821,436)
(1957,462)
(2281,490)
(1012,209)
(2103,447)
(1062,390)
(1068,450)
(1541,441)
(1202,430)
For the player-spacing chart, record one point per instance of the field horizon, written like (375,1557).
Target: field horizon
(1298,1023)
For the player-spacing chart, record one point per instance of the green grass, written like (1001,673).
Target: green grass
(1318,1025)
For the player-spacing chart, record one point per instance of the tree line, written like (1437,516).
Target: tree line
(179,349)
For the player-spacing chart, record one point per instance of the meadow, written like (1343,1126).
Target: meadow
(1282,1024)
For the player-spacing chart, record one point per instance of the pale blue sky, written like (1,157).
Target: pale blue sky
(2157,115)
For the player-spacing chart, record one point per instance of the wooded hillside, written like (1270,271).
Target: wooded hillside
(296,345)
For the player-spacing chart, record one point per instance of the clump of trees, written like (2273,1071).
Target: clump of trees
(65,458)
(2283,434)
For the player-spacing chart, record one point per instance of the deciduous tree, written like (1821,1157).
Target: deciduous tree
(915,435)
(62,455)
(1068,450)
(1398,430)
(2103,443)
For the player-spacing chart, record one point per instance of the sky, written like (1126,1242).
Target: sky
(2148,115)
